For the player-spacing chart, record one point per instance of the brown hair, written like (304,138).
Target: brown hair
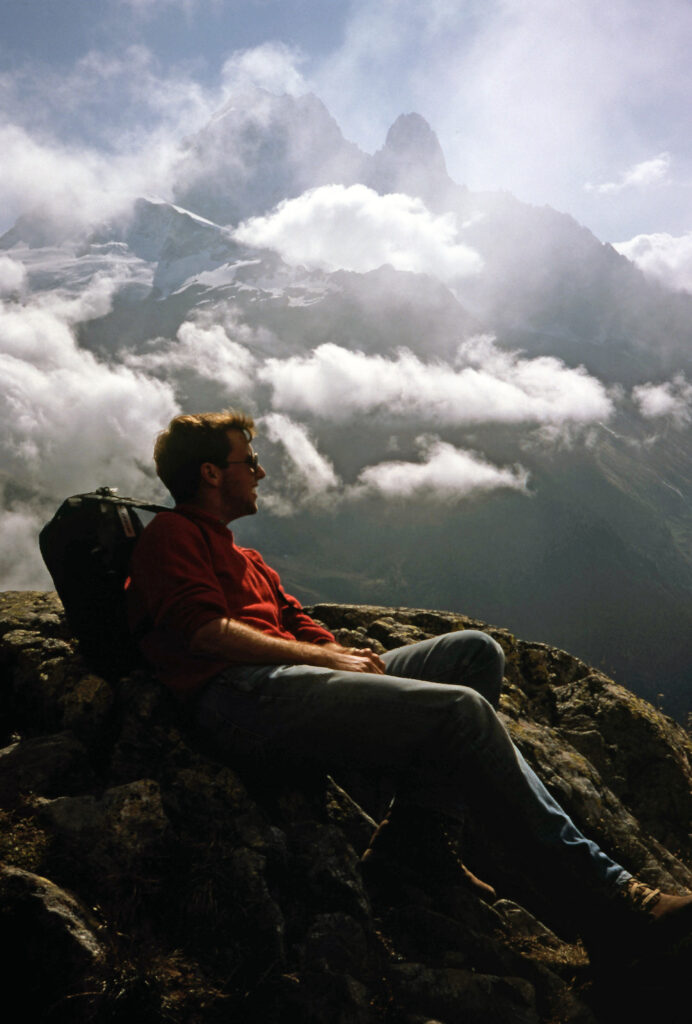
(192,439)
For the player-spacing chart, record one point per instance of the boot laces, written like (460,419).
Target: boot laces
(641,895)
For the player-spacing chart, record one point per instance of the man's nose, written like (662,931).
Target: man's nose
(259,472)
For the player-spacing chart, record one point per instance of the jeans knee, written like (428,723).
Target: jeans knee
(486,665)
(472,719)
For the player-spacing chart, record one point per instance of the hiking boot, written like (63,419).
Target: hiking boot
(411,850)
(637,924)
(658,908)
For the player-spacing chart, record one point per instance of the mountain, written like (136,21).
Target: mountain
(489,340)
(260,149)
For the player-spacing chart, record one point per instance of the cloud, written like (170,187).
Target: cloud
(71,422)
(82,143)
(70,187)
(148,9)
(487,385)
(307,478)
(672,399)
(218,351)
(21,565)
(353,228)
(446,474)
(525,95)
(641,175)
(273,66)
(12,277)
(661,256)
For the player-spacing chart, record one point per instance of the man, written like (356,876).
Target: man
(262,678)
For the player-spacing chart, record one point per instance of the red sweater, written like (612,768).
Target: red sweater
(186,571)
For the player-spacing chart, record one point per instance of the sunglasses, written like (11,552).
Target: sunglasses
(251,460)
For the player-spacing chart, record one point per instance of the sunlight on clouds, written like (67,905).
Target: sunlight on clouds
(68,188)
(12,277)
(642,175)
(661,256)
(672,399)
(490,386)
(307,477)
(447,473)
(272,66)
(353,228)
(525,95)
(21,565)
(216,351)
(71,422)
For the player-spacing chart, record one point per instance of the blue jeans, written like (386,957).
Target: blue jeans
(430,723)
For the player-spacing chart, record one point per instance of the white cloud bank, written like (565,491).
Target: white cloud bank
(672,399)
(354,228)
(446,474)
(216,351)
(307,478)
(487,386)
(12,277)
(662,257)
(641,175)
(70,422)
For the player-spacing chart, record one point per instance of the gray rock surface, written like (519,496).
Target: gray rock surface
(222,894)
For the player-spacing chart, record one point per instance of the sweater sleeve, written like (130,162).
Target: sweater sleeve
(293,619)
(176,583)
(298,622)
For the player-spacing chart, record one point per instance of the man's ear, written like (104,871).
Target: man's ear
(209,474)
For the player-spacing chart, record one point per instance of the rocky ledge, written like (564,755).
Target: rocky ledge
(142,881)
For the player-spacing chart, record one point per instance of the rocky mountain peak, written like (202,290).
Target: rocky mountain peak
(259,149)
(412,161)
(411,139)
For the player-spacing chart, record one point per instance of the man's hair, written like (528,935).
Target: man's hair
(192,439)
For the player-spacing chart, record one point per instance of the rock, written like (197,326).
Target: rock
(484,997)
(230,894)
(53,947)
(45,766)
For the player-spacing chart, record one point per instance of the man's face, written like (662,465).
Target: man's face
(238,486)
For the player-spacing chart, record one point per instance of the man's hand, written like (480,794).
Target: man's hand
(242,643)
(349,659)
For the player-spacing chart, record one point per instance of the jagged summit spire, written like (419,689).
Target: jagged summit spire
(412,161)
(412,139)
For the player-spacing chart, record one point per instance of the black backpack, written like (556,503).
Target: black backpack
(87,547)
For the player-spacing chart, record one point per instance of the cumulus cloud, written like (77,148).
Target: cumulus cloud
(487,385)
(641,175)
(671,399)
(353,228)
(71,422)
(12,277)
(307,478)
(663,257)
(69,186)
(21,565)
(445,474)
(273,66)
(216,350)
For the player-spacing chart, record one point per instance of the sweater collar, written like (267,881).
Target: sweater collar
(191,511)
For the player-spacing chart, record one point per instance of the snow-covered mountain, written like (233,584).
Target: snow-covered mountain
(464,401)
